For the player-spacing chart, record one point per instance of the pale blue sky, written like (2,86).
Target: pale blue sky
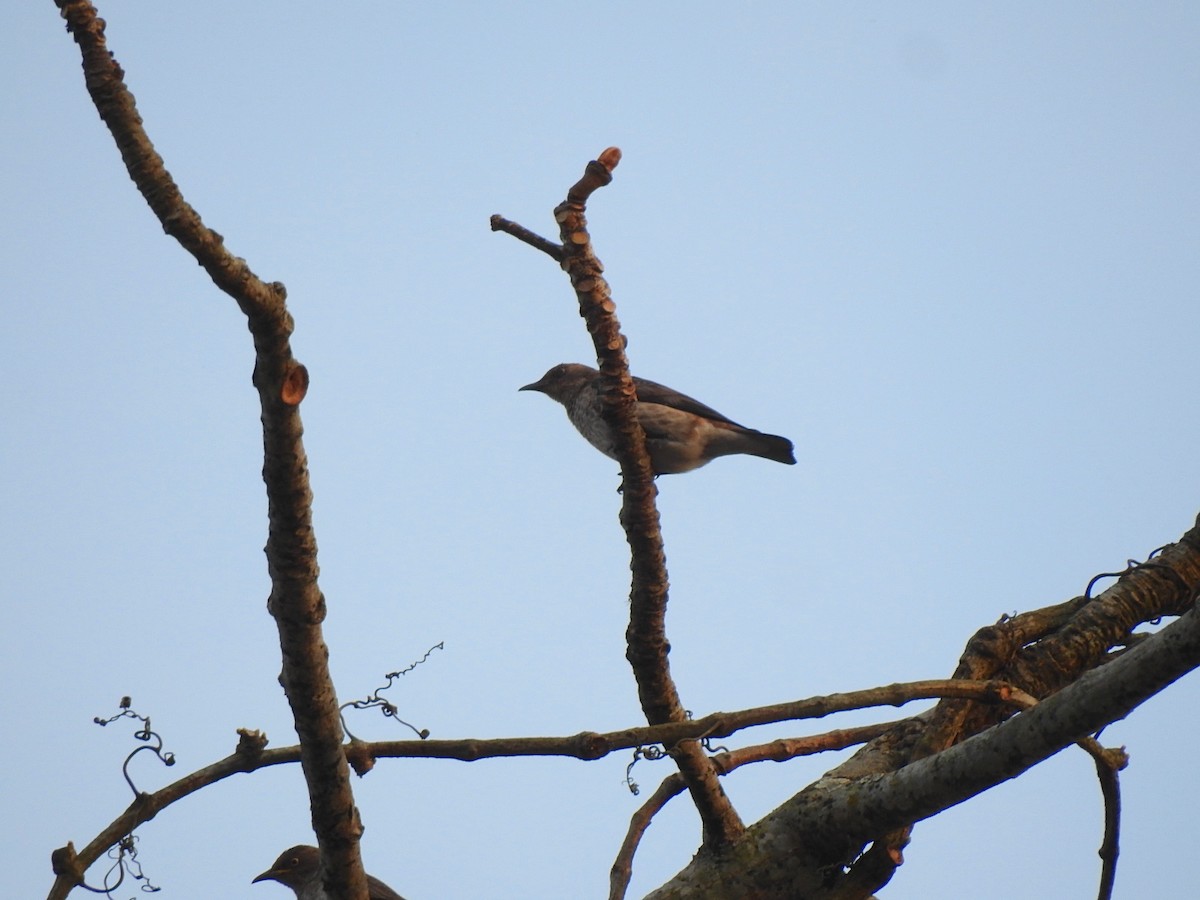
(949,249)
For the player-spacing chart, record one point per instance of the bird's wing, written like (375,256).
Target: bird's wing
(652,392)
(377,890)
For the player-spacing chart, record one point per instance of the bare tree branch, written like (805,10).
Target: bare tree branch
(647,645)
(673,785)
(1082,657)
(251,754)
(296,601)
(1108,763)
(824,824)
(1043,650)
(1098,698)
(521,233)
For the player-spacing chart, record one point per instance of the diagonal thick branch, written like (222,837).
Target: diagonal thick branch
(295,601)
(928,786)
(897,780)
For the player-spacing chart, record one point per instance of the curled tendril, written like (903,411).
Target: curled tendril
(389,709)
(145,733)
(707,744)
(650,752)
(705,740)
(125,862)
(1132,565)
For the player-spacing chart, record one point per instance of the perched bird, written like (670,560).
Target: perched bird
(681,433)
(300,869)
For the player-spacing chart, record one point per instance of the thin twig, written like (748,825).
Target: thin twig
(521,233)
(1108,763)
(622,868)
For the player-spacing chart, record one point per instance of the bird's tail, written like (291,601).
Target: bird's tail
(769,446)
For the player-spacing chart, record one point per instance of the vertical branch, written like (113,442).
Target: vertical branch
(295,601)
(647,646)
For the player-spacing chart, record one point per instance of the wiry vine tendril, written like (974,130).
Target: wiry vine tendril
(389,709)
(651,752)
(143,734)
(124,852)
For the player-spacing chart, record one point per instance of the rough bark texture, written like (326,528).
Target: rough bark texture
(295,601)
(646,639)
(807,848)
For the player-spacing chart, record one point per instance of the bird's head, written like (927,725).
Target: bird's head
(563,381)
(294,868)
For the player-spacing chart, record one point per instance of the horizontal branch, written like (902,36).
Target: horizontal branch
(249,756)
(589,745)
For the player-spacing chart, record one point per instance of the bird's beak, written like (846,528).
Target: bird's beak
(268,875)
(536,386)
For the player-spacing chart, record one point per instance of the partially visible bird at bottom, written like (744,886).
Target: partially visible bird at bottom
(300,869)
(681,433)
